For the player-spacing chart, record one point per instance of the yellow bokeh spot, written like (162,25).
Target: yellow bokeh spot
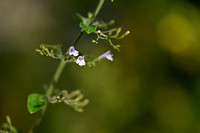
(175,33)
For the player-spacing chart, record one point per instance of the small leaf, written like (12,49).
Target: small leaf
(88,29)
(35,102)
(83,19)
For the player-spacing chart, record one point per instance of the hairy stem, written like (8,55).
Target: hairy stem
(59,70)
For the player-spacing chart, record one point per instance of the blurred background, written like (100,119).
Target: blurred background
(153,85)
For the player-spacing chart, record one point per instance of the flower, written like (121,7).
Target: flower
(72,51)
(107,55)
(80,61)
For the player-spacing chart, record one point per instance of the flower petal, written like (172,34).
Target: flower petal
(107,55)
(80,61)
(72,51)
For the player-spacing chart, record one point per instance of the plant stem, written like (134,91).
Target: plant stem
(59,70)
(78,38)
(56,77)
(96,12)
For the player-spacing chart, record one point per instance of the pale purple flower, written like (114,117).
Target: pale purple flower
(72,51)
(80,61)
(107,55)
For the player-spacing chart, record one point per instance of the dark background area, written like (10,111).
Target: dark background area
(153,85)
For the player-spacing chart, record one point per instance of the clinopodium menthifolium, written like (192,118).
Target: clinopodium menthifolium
(75,99)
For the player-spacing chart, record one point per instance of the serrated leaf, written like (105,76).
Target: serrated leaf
(35,102)
(88,29)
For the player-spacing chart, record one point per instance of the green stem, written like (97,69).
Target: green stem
(60,68)
(96,12)
(56,77)
(78,38)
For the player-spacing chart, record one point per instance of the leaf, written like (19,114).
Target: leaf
(35,102)
(83,19)
(88,29)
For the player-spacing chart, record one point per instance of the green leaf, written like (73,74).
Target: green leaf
(35,102)
(83,19)
(88,29)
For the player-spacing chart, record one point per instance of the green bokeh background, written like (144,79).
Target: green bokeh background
(153,85)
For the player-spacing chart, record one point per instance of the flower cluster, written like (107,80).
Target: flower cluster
(81,60)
